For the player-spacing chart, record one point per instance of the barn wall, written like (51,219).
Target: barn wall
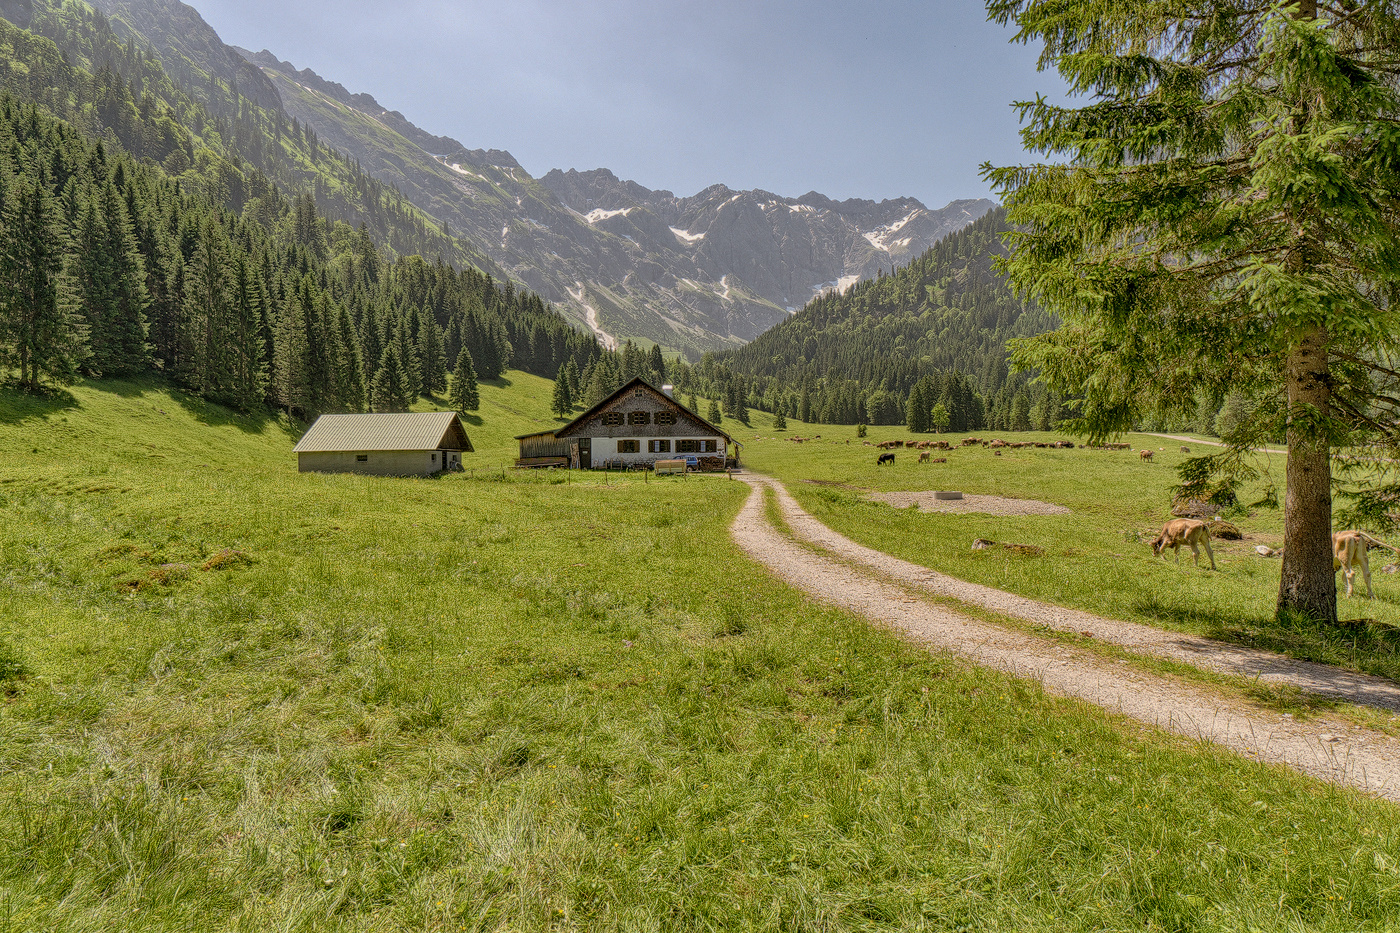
(380,463)
(605,448)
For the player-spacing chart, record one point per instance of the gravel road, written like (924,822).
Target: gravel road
(878,587)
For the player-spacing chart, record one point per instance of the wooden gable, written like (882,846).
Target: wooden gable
(633,411)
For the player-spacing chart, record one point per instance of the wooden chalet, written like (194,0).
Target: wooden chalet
(634,427)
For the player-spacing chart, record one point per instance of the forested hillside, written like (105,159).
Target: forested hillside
(934,331)
(139,239)
(202,128)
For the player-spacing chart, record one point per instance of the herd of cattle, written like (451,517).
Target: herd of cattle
(926,446)
(1349,548)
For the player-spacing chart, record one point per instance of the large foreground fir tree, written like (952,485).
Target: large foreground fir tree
(1222,218)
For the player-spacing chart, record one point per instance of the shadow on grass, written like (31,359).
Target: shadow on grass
(1362,644)
(18,406)
(215,415)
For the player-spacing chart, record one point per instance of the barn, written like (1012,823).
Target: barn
(635,426)
(407,444)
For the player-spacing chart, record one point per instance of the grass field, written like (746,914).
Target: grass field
(540,702)
(1097,558)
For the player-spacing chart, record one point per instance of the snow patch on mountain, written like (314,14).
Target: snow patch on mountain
(839,286)
(882,238)
(686,236)
(594,216)
(590,317)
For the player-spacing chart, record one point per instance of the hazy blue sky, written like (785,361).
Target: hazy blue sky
(852,98)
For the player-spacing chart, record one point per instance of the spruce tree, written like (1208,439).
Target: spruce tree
(209,316)
(433,356)
(713,415)
(598,385)
(561,403)
(248,385)
(916,412)
(780,421)
(657,364)
(1221,220)
(40,333)
(390,391)
(122,349)
(351,394)
(466,395)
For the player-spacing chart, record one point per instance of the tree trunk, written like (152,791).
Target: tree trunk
(1309,584)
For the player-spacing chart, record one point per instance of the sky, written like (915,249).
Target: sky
(852,98)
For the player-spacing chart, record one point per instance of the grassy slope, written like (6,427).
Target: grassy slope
(1098,557)
(535,704)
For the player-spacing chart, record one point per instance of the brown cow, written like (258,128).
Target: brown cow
(1349,552)
(1186,450)
(1187,531)
(1145,455)
(924,457)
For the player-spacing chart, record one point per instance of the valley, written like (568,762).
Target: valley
(454,702)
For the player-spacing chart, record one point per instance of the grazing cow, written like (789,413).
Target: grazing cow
(1349,552)
(1186,450)
(885,458)
(1188,531)
(924,457)
(1145,455)
(939,460)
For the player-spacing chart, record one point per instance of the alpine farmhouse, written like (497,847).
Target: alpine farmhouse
(407,444)
(635,426)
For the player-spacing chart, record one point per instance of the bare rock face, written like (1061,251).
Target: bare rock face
(706,272)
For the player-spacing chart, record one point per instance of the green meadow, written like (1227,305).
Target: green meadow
(237,698)
(1099,557)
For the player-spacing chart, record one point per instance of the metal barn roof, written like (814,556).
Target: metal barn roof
(364,433)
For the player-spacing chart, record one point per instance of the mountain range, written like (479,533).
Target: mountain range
(694,274)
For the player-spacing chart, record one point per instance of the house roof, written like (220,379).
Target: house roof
(406,431)
(639,381)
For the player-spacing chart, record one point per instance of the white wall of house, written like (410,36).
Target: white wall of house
(376,463)
(606,448)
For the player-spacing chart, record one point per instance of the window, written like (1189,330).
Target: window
(665,418)
(612,419)
(362,458)
(711,446)
(629,447)
(687,447)
(639,417)
(659,447)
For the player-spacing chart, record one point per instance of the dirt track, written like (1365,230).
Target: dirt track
(879,589)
